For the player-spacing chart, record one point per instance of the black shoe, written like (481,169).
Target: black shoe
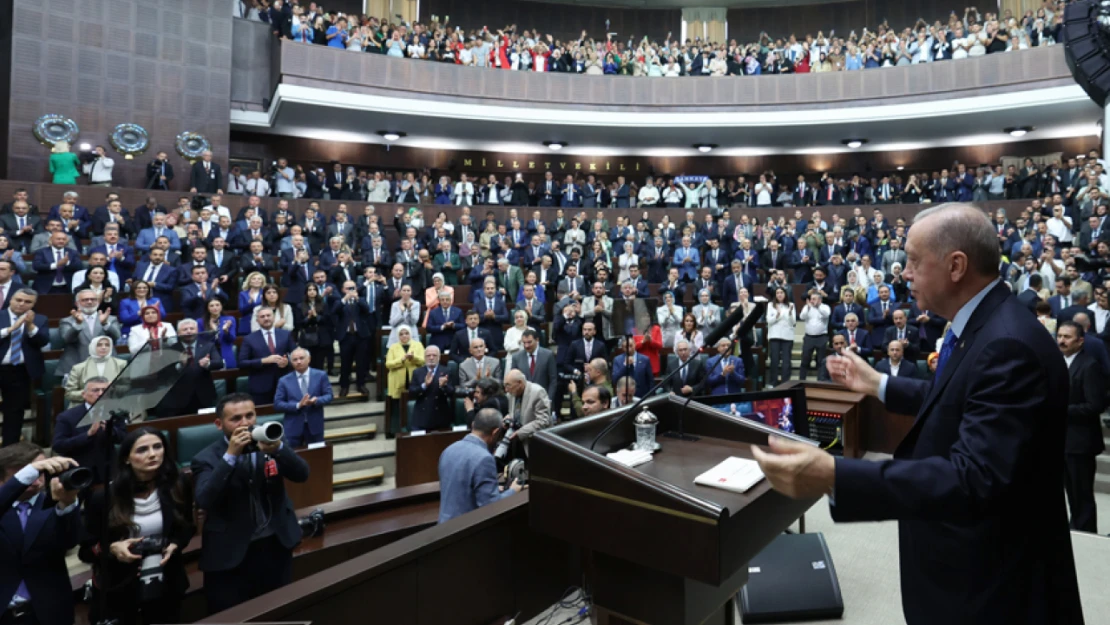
(343,392)
(361,388)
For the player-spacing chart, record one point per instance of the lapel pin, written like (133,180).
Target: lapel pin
(961,344)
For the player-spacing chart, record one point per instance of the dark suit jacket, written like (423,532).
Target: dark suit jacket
(577,356)
(435,405)
(10,224)
(194,387)
(1086,401)
(74,442)
(262,377)
(248,264)
(37,555)
(906,369)
(32,346)
(695,375)
(164,283)
(224,493)
(1029,299)
(460,343)
(44,275)
(206,183)
(640,371)
(912,335)
(975,484)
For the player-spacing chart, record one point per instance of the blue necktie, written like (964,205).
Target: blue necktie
(17,346)
(23,509)
(945,351)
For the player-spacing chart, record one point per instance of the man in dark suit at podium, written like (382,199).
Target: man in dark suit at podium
(975,484)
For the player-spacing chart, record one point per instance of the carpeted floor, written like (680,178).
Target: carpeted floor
(866,560)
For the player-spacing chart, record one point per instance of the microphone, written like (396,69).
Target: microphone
(719,332)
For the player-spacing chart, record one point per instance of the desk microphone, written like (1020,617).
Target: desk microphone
(721,331)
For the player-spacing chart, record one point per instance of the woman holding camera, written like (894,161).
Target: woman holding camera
(149,523)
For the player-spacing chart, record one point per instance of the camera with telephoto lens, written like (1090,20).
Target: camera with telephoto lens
(265,433)
(517,471)
(502,450)
(150,569)
(313,524)
(76,478)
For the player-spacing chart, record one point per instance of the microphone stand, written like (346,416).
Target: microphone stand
(115,417)
(745,326)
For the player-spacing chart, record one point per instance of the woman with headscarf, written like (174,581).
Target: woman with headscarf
(431,295)
(899,287)
(707,313)
(626,260)
(152,330)
(873,288)
(402,358)
(857,287)
(131,308)
(101,363)
(468,252)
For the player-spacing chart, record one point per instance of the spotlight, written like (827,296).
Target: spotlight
(900,168)
(1018,131)
(705,148)
(555,145)
(85,147)
(854,143)
(391,135)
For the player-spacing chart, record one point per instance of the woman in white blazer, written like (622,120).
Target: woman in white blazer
(781,319)
(669,317)
(405,311)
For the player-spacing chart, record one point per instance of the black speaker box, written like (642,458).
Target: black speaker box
(1086,50)
(791,580)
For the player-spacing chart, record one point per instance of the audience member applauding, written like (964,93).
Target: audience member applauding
(101,363)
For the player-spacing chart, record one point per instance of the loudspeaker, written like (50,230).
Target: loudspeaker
(792,579)
(1087,50)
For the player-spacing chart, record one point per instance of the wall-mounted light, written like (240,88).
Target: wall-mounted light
(705,148)
(555,145)
(86,147)
(1018,131)
(900,168)
(853,143)
(391,135)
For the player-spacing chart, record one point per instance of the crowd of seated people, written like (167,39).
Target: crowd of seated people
(967,35)
(1083,180)
(319,281)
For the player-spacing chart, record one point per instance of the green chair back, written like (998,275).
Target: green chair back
(191,440)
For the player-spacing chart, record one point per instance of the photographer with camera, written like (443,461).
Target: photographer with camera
(150,522)
(486,393)
(250,528)
(38,529)
(159,173)
(98,167)
(467,471)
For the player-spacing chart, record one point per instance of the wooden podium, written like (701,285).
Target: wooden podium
(656,548)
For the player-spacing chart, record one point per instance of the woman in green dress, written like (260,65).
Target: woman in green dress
(64,165)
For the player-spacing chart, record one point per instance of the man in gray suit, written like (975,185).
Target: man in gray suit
(599,305)
(82,326)
(894,255)
(478,366)
(528,404)
(467,471)
(536,363)
(532,305)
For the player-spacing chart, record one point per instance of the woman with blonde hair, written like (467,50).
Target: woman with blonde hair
(64,165)
(250,297)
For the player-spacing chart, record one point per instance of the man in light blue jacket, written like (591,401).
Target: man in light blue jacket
(467,471)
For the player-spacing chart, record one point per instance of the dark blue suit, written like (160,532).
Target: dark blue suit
(303,425)
(16,380)
(45,276)
(74,442)
(975,484)
(124,266)
(728,288)
(640,372)
(494,325)
(296,277)
(263,378)
(439,335)
(720,384)
(37,555)
(841,311)
(863,340)
(194,305)
(879,324)
(165,281)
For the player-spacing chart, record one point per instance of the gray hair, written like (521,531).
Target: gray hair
(184,323)
(431,348)
(681,342)
(445,293)
(77,295)
(301,350)
(964,228)
(97,379)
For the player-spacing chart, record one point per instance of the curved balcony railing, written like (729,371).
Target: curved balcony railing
(326,68)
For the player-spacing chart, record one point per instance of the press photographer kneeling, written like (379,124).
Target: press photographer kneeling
(36,531)
(149,523)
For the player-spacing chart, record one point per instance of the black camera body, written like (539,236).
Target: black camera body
(148,546)
(150,568)
(501,453)
(76,478)
(313,524)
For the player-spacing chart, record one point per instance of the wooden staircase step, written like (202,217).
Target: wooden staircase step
(356,478)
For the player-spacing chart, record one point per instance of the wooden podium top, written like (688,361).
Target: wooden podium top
(654,515)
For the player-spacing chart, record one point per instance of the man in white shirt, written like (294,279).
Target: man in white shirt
(218,208)
(1059,225)
(464,191)
(1100,311)
(99,170)
(236,182)
(648,195)
(285,177)
(816,318)
(257,185)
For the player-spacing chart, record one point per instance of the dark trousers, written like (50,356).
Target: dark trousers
(123,606)
(7,618)
(813,345)
(15,387)
(267,566)
(352,355)
(58,288)
(779,370)
(320,356)
(1079,484)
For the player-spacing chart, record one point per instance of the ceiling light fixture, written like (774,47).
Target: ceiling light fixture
(85,147)
(900,167)
(555,145)
(1018,131)
(854,143)
(391,135)
(705,148)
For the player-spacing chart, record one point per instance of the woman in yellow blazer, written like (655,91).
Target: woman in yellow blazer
(100,363)
(403,357)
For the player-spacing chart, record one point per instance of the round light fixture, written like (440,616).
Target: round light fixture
(900,168)
(705,148)
(1018,131)
(555,145)
(391,135)
(854,143)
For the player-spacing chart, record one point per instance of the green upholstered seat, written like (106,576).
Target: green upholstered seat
(191,440)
